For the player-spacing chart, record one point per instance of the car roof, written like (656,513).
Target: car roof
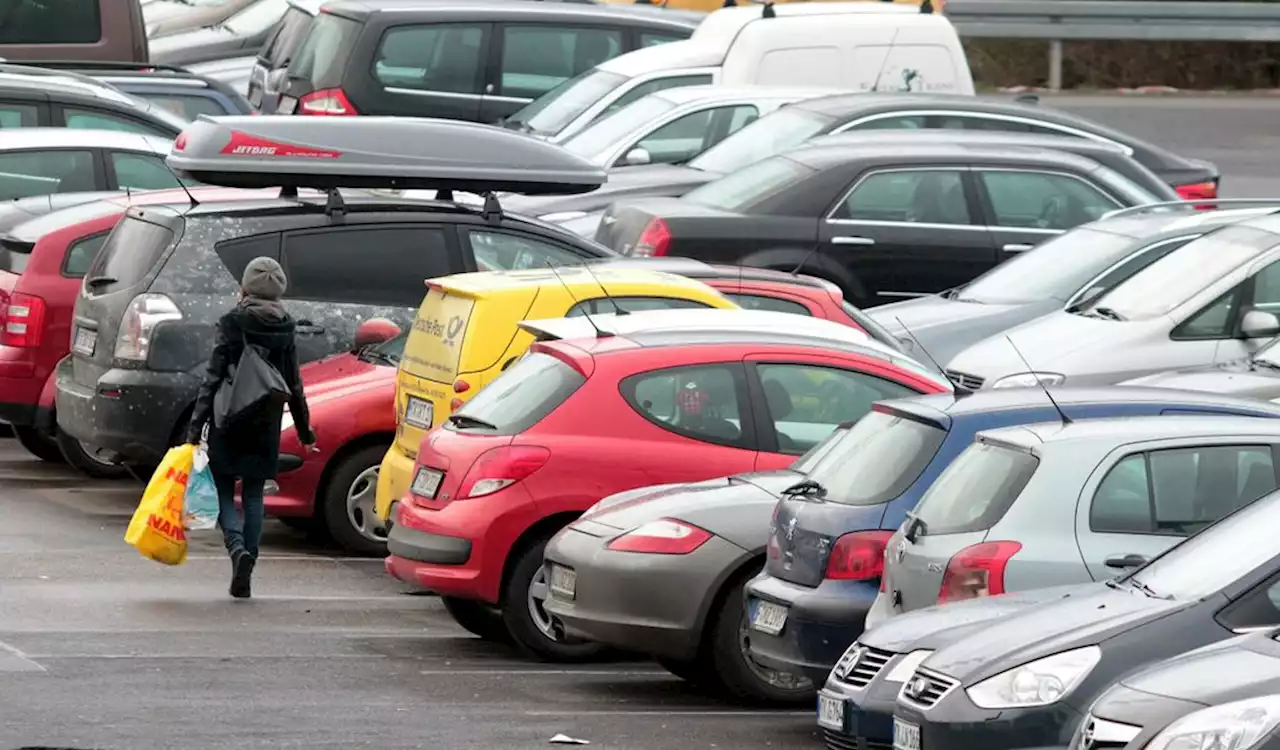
(682,95)
(42,79)
(961,406)
(1121,430)
(696,269)
(362,9)
(576,279)
(28,138)
(1178,218)
(823,157)
(968,137)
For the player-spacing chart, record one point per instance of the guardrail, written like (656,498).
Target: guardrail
(1067,20)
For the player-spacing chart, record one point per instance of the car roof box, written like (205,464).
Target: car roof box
(376,152)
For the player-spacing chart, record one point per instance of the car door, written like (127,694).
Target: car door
(909,231)
(1024,207)
(43,171)
(134,170)
(683,138)
(432,70)
(490,249)
(533,58)
(1140,502)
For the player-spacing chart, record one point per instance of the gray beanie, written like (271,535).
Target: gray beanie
(264,278)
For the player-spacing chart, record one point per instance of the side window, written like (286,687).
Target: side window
(604,306)
(650,39)
(50,22)
(903,122)
(1259,607)
(14,115)
(81,254)
(1042,200)
(236,254)
(686,137)
(696,402)
(1266,289)
(143,172)
(807,402)
(500,251)
(1215,321)
(536,59)
(961,122)
(27,173)
(1179,491)
(439,57)
(649,87)
(773,304)
(89,120)
(365,266)
(189,107)
(917,196)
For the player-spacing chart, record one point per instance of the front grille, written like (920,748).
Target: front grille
(964,380)
(925,688)
(836,741)
(859,667)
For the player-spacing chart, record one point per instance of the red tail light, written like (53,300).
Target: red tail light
(1199,191)
(654,240)
(326,103)
(977,571)
(858,556)
(23,321)
(502,467)
(665,536)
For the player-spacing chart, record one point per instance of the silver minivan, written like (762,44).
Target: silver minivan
(266,79)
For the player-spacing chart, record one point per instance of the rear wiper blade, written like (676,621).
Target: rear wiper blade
(808,488)
(96,280)
(462,420)
(914,527)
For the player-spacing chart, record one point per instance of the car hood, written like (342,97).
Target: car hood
(1086,617)
(945,327)
(340,375)
(1232,379)
(1242,667)
(658,180)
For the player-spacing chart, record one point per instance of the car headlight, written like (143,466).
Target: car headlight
(1231,726)
(1038,683)
(1029,379)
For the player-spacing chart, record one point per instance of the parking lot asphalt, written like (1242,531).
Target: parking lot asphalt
(102,649)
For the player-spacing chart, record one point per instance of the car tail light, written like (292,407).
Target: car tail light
(665,536)
(654,240)
(144,313)
(858,556)
(499,468)
(1199,191)
(977,571)
(326,103)
(23,321)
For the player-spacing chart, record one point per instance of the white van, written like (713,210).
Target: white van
(856,46)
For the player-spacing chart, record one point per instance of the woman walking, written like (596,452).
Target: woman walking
(248,449)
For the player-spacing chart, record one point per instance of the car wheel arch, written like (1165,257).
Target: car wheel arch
(748,565)
(543,529)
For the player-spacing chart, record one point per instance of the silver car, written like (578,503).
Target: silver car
(1212,300)
(1253,377)
(1054,504)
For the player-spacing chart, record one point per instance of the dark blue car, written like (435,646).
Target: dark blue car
(826,549)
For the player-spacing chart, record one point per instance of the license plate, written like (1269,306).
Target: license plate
(420,413)
(769,618)
(426,483)
(287,105)
(85,342)
(905,736)
(830,712)
(564,581)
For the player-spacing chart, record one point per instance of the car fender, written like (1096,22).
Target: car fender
(748,561)
(815,264)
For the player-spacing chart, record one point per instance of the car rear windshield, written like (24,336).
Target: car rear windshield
(551,112)
(284,42)
(810,459)
(14,255)
(322,58)
(519,398)
(739,191)
(131,251)
(878,459)
(769,135)
(1055,269)
(976,490)
(603,134)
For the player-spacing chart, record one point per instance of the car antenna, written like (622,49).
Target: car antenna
(1061,414)
(600,333)
(617,309)
(181,184)
(920,346)
(926,7)
(796,271)
(768,12)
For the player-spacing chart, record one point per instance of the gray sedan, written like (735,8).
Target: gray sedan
(1253,377)
(1055,504)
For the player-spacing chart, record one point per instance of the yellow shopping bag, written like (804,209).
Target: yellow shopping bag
(156,529)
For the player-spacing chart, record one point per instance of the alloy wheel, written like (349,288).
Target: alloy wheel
(361,496)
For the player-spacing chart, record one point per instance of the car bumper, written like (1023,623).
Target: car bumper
(821,623)
(394,477)
(955,722)
(652,604)
(22,380)
(868,712)
(129,412)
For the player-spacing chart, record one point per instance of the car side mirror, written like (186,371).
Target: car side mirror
(1130,560)
(375,331)
(1259,325)
(637,157)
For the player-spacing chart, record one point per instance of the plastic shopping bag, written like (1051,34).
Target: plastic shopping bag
(156,529)
(200,509)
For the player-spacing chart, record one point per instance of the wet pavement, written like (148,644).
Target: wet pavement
(102,649)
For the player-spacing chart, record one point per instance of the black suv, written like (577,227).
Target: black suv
(185,94)
(33,97)
(480,61)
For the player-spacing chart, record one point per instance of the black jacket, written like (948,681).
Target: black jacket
(251,447)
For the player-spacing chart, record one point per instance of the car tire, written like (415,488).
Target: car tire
(738,676)
(346,503)
(478,619)
(39,444)
(82,458)
(530,628)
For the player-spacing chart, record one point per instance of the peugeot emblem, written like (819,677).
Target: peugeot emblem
(1087,736)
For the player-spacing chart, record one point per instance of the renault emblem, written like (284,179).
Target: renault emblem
(1087,737)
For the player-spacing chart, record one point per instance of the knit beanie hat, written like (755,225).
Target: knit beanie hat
(264,278)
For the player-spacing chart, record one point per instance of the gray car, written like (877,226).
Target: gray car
(1257,376)
(236,36)
(1059,274)
(1055,504)
(1213,300)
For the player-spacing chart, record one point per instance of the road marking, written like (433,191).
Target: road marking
(303,558)
(220,657)
(546,672)
(692,712)
(13,660)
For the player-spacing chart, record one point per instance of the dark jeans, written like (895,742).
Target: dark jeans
(237,533)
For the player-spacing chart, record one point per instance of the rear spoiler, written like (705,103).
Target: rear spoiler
(560,329)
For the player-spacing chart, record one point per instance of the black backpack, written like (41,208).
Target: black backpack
(250,385)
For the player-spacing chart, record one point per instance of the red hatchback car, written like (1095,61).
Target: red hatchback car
(650,398)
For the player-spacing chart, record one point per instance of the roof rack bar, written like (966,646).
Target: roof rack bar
(96,65)
(1214,202)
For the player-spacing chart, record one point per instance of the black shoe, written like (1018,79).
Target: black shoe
(241,572)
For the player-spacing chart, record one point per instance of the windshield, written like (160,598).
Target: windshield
(392,349)
(771,134)
(744,188)
(603,135)
(1232,548)
(878,459)
(529,390)
(1185,272)
(975,490)
(554,110)
(1055,269)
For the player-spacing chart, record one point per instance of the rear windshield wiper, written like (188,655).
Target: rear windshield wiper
(462,420)
(913,528)
(807,488)
(99,280)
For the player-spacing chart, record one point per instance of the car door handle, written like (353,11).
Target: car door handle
(1130,560)
(307,328)
(852,241)
(1017,248)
